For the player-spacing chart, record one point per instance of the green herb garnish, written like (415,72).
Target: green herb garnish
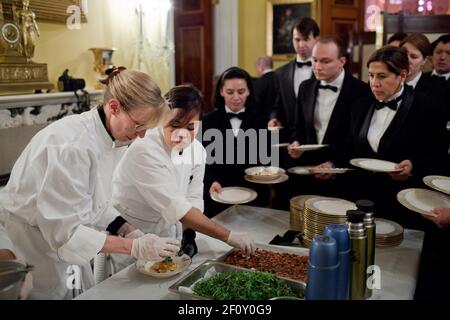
(245,285)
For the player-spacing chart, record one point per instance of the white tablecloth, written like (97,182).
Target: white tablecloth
(399,265)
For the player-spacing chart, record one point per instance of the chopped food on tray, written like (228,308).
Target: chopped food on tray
(286,265)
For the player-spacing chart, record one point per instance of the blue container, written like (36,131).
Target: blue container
(323,264)
(340,233)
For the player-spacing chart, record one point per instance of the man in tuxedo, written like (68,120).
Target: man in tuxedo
(289,77)
(441,57)
(323,112)
(264,85)
(322,115)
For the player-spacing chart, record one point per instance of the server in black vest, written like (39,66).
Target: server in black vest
(265,90)
(398,125)
(231,138)
(290,76)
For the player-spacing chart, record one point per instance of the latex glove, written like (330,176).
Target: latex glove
(26,286)
(135,234)
(242,241)
(188,245)
(152,247)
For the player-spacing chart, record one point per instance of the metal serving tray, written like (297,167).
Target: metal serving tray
(200,271)
(281,249)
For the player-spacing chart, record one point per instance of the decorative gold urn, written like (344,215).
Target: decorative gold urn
(102,62)
(18,36)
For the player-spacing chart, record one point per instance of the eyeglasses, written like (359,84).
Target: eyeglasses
(137,127)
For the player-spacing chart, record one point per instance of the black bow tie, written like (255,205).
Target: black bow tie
(332,88)
(240,115)
(438,78)
(302,64)
(393,104)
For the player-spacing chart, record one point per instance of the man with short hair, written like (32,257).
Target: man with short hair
(441,57)
(264,85)
(289,77)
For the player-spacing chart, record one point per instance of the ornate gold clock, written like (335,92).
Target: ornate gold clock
(18,35)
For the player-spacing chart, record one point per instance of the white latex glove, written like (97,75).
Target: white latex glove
(152,247)
(26,286)
(135,234)
(242,241)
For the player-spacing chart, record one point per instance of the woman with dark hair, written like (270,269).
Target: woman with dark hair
(231,136)
(418,48)
(398,125)
(158,185)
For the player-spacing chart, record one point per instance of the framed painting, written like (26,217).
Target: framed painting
(57,10)
(282,15)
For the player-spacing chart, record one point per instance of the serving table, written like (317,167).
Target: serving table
(399,265)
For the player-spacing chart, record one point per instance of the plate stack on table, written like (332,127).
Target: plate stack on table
(322,211)
(297,209)
(388,233)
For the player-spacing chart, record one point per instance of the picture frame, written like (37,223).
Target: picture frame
(56,10)
(281,17)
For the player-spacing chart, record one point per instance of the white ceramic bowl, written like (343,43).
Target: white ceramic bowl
(264,173)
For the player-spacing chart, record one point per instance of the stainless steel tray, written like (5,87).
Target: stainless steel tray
(200,271)
(281,249)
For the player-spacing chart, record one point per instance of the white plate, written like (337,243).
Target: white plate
(274,128)
(301,170)
(182,263)
(387,228)
(281,145)
(280,179)
(423,200)
(309,147)
(330,170)
(330,206)
(440,183)
(234,195)
(264,173)
(375,165)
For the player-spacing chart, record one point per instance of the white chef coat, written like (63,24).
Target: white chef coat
(5,242)
(154,186)
(58,197)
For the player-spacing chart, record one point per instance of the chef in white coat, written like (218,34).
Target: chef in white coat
(7,253)
(158,185)
(58,198)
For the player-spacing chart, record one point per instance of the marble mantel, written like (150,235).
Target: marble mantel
(22,116)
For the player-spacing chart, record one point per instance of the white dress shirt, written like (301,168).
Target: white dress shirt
(413,82)
(235,122)
(325,103)
(445,75)
(301,74)
(381,120)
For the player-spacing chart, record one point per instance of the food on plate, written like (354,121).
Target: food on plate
(167,265)
(244,285)
(269,171)
(286,265)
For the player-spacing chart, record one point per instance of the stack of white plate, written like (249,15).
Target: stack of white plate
(297,210)
(322,211)
(388,233)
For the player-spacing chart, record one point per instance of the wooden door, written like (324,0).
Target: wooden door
(344,18)
(194,45)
